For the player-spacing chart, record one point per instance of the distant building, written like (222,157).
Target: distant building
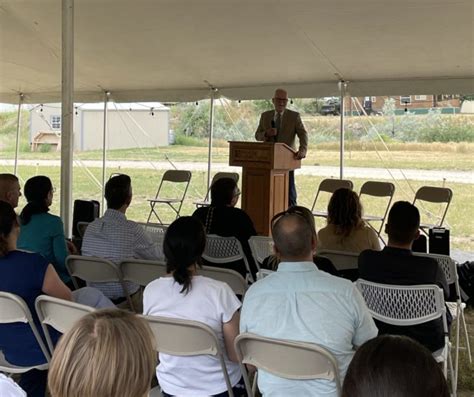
(129,125)
(418,104)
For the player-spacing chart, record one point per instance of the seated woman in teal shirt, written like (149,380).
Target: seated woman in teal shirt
(42,232)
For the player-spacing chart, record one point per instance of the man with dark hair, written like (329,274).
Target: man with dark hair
(397,265)
(300,302)
(115,238)
(10,190)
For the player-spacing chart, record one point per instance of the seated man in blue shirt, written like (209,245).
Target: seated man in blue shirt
(396,264)
(299,302)
(116,238)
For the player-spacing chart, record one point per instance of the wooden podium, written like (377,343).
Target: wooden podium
(264,179)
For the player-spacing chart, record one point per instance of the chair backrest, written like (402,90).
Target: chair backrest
(59,314)
(378,189)
(222,250)
(330,186)
(155,231)
(175,176)
(341,260)
(92,269)
(220,175)
(447,265)
(15,310)
(81,228)
(261,247)
(187,338)
(403,305)
(142,272)
(437,195)
(228,276)
(287,359)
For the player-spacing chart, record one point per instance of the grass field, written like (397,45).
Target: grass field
(145,183)
(428,156)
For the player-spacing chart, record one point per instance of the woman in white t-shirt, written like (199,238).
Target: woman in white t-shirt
(186,295)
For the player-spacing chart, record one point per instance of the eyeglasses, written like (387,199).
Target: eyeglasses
(289,211)
(236,192)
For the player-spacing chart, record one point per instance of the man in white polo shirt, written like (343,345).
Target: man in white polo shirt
(301,303)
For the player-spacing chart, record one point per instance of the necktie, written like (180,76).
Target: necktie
(278,122)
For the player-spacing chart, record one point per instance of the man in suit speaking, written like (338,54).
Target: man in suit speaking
(282,125)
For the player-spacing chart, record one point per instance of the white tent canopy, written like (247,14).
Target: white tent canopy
(173,50)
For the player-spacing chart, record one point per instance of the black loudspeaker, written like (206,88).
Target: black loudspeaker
(84,211)
(439,241)
(420,244)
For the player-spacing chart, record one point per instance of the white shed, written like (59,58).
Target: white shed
(129,125)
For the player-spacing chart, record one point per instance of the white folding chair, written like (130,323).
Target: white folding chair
(407,305)
(141,271)
(377,189)
(436,195)
(457,307)
(341,260)
(286,359)
(15,310)
(171,178)
(96,270)
(59,314)
(222,250)
(178,337)
(232,278)
(156,232)
(329,186)
(219,175)
(261,248)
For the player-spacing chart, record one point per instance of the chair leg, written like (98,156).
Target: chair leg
(466,335)
(454,380)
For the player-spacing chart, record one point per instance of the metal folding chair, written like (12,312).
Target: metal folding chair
(436,195)
(377,189)
(457,307)
(170,178)
(178,337)
(286,359)
(59,314)
(15,310)
(206,202)
(261,247)
(329,186)
(341,260)
(228,276)
(141,271)
(96,270)
(262,273)
(404,305)
(222,250)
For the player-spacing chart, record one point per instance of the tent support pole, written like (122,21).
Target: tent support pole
(67,111)
(342,91)
(211,132)
(18,129)
(104,151)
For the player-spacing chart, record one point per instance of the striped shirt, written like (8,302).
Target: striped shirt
(115,238)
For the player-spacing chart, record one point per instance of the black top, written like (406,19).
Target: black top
(230,222)
(400,267)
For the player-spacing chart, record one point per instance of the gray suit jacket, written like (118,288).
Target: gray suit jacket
(291,126)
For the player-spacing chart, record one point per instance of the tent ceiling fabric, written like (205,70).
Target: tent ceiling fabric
(164,50)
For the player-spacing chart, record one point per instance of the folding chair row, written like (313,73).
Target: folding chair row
(287,359)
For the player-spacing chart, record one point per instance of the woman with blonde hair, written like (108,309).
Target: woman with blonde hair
(346,230)
(107,353)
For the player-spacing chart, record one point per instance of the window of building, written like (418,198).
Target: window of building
(420,97)
(56,122)
(405,100)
